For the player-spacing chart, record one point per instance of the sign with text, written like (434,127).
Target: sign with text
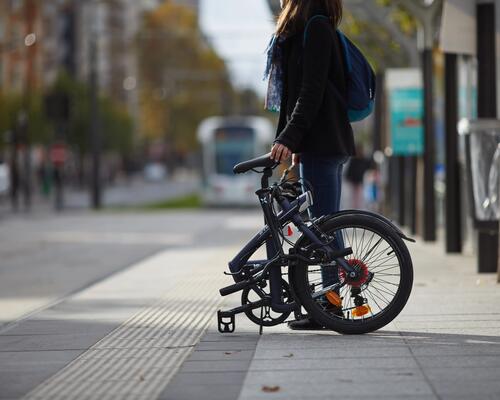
(406,112)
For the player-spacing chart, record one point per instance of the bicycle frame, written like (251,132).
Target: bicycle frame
(270,235)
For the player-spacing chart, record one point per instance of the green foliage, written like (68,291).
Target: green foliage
(375,42)
(381,47)
(407,23)
(116,125)
(12,106)
(189,201)
(183,80)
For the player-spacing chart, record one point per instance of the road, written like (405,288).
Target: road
(47,257)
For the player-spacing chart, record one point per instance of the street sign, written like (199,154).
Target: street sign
(406,111)
(58,154)
(458,27)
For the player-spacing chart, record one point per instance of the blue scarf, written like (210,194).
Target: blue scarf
(274,73)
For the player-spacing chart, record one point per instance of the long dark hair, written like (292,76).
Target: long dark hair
(295,14)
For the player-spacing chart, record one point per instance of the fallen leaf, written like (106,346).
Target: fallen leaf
(270,389)
(141,378)
(288,355)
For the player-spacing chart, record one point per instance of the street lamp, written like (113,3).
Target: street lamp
(95,135)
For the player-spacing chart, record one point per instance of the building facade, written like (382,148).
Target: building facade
(20,53)
(114,25)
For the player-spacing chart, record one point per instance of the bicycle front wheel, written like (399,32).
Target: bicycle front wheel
(376,296)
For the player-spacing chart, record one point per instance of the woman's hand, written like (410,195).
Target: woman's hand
(280,152)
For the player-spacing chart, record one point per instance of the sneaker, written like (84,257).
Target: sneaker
(305,324)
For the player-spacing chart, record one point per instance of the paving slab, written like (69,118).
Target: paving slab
(152,342)
(113,340)
(446,338)
(201,391)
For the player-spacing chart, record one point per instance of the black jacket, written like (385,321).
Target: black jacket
(312,118)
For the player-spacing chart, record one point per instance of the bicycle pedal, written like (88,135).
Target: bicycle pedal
(225,322)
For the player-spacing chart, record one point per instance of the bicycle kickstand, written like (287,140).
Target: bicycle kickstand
(261,327)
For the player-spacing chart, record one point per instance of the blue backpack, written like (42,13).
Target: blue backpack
(361,83)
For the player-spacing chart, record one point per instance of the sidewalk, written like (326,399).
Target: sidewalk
(115,341)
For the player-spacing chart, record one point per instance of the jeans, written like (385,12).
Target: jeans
(324,174)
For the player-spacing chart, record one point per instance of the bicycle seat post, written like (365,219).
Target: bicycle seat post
(266,174)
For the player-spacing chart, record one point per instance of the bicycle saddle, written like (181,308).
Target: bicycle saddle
(259,162)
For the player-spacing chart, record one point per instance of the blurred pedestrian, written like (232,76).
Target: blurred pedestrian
(306,74)
(355,174)
(44,174)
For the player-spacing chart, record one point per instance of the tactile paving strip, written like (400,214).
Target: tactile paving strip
(137,360)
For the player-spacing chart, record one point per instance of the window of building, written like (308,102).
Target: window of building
(16,5)
(2,30)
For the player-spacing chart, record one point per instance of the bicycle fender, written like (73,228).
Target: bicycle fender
(381,218)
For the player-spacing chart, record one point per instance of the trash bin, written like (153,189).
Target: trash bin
(482,165)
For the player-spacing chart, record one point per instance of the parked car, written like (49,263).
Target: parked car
(155,172)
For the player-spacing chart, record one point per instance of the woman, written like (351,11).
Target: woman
(306,78)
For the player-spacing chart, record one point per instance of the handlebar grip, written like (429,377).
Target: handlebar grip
(234,288)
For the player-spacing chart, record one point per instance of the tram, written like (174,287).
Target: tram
(225,142)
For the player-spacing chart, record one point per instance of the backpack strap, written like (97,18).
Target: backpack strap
(319,16)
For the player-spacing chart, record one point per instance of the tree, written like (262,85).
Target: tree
(11,106)
(116,123)
(384,31)
(182,79)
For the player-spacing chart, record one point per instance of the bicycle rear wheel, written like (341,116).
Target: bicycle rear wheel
(373,299)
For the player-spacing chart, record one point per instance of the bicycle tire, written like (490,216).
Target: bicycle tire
(299,277)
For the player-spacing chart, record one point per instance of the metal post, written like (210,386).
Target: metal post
(95,136)
(394,188)
(427,13)
(453,205)
(58,188)
(379,113)
(429,233)
(30,9)
(26,182)
(411,165)
(14,169)
(487,108)
(401,190)
(486,54)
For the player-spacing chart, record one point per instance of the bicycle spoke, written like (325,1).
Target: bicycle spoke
(382,261)
(374,296)
(375,253)
(380,296)
(382,280)
(383,289)
(377,256)
(389,266)
(368,294)
(372,249)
